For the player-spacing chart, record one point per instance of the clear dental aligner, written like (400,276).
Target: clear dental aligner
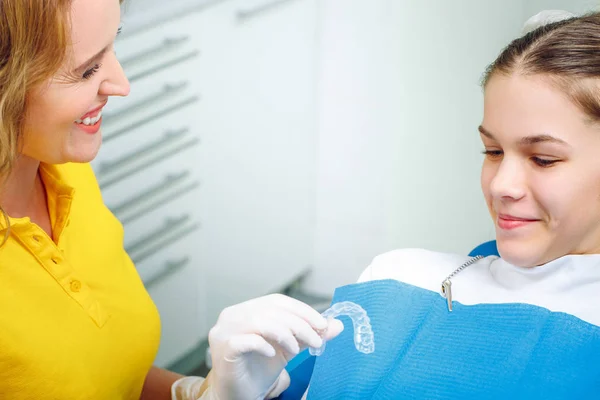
(364,340)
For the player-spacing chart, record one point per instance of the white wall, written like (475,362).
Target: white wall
(531,7)
(399,106)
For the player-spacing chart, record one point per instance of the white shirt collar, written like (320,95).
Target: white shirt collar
(563,274)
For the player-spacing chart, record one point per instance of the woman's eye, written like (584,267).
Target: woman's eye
(544,162)
(90,72)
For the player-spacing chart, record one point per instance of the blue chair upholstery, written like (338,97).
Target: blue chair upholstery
(485,249)
(301,367)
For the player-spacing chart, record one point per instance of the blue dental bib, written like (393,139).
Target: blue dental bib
(484,351)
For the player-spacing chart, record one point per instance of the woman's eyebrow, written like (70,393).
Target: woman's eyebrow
(82,67)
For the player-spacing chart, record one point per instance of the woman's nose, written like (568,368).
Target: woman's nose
(116,83)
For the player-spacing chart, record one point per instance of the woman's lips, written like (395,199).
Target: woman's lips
(91,129)
(91,121)
(93,112)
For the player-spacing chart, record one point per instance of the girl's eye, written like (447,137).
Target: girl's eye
(493,154)
(90,72)
(543,162)
(539,161)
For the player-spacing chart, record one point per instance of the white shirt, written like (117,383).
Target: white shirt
(570,284)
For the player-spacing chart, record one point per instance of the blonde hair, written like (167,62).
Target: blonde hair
(34,39)
(33,44)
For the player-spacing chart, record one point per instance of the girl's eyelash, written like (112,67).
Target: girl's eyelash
(492,153)
(90,72)
(120,29)
(542,162)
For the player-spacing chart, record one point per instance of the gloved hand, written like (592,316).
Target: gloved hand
(188,388)
(252,343)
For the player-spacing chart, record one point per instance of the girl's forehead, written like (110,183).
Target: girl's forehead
(521,106)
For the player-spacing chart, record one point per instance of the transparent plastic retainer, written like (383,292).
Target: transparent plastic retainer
(364,340)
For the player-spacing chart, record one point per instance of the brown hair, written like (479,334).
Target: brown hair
(566,52)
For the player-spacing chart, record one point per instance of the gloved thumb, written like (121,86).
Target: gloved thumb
(282,383)
(334,328)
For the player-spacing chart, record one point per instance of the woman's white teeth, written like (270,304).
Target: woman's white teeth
(89,121)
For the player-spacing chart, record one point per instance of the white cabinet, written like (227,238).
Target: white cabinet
(150,179)
(210,163)
(259,147)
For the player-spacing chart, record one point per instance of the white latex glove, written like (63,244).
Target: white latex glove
(188,388)
(252,343)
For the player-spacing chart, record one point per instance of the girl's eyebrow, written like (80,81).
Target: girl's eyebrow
(528,140)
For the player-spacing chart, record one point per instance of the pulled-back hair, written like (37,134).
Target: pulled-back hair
(567,53)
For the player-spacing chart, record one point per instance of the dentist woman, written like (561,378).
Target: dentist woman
(75,319)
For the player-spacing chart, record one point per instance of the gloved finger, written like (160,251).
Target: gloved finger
(304,333)
(335,328)
(300,309)
(282,383)
(278,332)
(239,345)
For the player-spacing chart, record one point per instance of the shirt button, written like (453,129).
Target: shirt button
(75,286)
(36,238)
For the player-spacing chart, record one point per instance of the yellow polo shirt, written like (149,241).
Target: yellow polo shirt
(75,319)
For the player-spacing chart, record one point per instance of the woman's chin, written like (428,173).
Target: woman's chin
(78,158)
(84,153)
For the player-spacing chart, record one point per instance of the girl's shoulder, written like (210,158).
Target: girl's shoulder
(416,266)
